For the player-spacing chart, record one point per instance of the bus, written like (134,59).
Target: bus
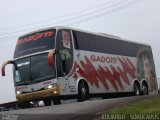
(55,63)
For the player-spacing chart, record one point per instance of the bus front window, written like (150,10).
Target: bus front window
(22,75)
(33,69)
(40,70)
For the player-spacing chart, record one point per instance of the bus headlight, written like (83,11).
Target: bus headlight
(19,92)
(51,86)
(55,92)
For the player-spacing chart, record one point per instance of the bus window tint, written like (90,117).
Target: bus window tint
(101,44)
(40,68)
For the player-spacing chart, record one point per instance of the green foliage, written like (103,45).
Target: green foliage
(151,106)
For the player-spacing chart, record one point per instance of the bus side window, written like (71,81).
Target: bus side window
(75,40)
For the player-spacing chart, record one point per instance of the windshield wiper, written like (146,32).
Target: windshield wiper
(22,83)
(43,78)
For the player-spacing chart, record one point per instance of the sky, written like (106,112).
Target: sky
(136,20)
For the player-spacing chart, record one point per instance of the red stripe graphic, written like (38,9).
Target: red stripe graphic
(114,76)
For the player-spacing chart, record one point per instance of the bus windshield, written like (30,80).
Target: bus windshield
(33,69)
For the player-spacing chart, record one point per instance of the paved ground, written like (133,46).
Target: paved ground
(80,110)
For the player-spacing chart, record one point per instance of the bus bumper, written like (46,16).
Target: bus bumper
(38,95)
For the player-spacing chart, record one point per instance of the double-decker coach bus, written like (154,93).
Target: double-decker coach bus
(59,62)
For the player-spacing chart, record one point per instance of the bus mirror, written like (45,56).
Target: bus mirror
(6,63)
(51,58)
(3,69)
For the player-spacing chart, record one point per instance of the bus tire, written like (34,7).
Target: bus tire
(136,89)
(144,89)
(56,101)
(24,105)
(82,91)
(47,102)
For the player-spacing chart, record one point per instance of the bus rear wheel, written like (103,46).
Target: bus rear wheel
(136,89)
(144,89)
(82,91)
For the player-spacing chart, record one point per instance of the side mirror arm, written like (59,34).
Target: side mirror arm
(5,64)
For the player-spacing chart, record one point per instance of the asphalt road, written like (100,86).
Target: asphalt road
(80,110)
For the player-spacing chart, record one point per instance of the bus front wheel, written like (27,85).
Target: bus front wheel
(144,89)
(47,102)
(82,91)
(56,101)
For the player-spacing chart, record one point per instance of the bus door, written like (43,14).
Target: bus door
(64,60)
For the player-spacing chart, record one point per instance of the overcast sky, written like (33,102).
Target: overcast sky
(136,20)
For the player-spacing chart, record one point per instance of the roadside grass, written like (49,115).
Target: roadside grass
(151,106)
(145,107)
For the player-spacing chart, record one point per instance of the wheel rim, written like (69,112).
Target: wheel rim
(137,90)
(83,89)
(144,89)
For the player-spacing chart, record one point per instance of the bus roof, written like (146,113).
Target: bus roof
(99,34)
